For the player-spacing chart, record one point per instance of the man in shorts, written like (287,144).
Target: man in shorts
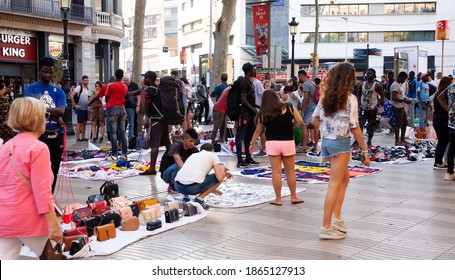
(308,88)
(158,129)
(80,97)
(399,102)
(194,178)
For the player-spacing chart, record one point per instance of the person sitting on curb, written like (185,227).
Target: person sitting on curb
(198,181)
(177,154)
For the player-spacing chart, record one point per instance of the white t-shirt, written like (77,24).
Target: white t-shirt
(258,90)
(338,125)
(196,167)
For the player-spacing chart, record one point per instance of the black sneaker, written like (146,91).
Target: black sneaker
(251,161)
(150,171)
(439,166)
(242,164)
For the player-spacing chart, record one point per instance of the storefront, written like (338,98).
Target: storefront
(18,58)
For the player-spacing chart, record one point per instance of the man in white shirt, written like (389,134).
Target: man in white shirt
(194,178)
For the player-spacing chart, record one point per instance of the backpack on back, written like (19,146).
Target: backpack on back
(233,101)
(172,107)
(78,95)
(317,93)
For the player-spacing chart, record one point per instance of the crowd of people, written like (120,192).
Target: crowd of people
(268,122)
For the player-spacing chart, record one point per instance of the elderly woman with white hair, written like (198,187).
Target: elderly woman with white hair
(26,178)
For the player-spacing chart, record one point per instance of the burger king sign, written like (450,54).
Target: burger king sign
(55,49)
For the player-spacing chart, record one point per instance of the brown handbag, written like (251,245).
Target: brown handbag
(105,232)
(52,253)
(67,241)
(131,224)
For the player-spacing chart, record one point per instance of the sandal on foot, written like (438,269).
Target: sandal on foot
(276,203)
(301,150)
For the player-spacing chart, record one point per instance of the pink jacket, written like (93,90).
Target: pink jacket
(22,209)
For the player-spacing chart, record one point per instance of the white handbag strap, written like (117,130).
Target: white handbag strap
(26,181)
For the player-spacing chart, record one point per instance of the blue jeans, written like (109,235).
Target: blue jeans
(195,189)
(118,121)
(244,134)
(130,112)
(169,174)
(423,114)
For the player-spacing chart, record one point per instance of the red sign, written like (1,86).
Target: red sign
(17,48)
(261,28)
(442,30)
(278,78)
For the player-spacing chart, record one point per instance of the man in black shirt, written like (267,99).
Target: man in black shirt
(158,129)
(246,125)
(178,153)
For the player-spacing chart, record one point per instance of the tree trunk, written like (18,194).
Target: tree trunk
(222,33)
(139,13)
(316,41)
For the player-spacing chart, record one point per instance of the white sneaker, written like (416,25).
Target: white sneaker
(332,233)
(449,177)
(339,225)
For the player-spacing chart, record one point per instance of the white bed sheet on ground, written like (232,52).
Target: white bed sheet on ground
(124,238)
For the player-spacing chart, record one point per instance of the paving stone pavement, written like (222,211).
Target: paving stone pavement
(405,212)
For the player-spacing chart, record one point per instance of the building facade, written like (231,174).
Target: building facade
(32,29)
(377,24)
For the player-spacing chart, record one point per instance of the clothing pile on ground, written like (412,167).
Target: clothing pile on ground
(418,151)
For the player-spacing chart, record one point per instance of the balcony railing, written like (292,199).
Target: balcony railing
(48,8)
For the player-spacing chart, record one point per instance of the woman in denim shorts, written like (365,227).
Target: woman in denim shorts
(279,119)
(337,115)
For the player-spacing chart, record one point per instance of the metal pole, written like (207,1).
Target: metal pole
(442,58)
(268,39)
(292,56)
(346,39)
(68,116)
(367,61)
(209,81)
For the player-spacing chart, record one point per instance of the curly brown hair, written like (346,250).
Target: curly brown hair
(271,106)
(336,87)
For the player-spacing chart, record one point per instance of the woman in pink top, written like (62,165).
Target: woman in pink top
(27,213)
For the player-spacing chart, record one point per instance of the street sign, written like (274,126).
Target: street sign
(165,49)
(442,30)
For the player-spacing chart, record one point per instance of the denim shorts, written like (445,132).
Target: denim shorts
(195,189)
(307,114)
(333,147)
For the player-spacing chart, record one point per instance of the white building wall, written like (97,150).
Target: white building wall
(376,23)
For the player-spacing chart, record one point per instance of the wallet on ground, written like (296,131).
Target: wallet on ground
(105,232)
(155,224)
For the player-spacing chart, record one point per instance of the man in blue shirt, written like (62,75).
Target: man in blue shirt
(55,100)
(424,100)
(219,88)
(412,95)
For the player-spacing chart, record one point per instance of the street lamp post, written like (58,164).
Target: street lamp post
(65,6)
(346,39)
(293,30)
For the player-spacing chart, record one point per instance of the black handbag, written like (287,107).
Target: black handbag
(135,208)
(109,190)
(91,223)
(172,215)
(152,225)
(77,245)
(189,209)
(111,218)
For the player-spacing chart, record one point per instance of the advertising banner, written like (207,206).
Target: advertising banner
(17,48)
(261,28)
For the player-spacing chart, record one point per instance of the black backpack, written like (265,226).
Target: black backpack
(233,101)
(78,95)
(170,96)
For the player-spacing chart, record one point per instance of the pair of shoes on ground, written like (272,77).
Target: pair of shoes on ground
(337,231)
(202,203)
(112,157)
(449,177)
(439,166)
(82,140)
(246,163)
(171,189)
(150,171)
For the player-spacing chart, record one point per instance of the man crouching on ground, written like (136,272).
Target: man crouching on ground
(194,178)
